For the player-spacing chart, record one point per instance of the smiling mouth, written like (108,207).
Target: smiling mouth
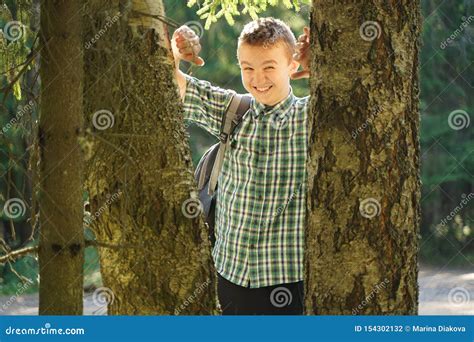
(262,90)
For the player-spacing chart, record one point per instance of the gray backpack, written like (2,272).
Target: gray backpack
(210,164)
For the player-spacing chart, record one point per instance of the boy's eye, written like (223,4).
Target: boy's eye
(269,68)
(247,68)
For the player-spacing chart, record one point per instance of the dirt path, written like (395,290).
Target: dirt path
(446,292)
(442,292)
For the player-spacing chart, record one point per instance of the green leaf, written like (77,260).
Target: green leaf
(17,90)
(229,18)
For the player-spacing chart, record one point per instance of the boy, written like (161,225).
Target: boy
(261,193)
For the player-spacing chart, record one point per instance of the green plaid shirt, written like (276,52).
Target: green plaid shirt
(262,186)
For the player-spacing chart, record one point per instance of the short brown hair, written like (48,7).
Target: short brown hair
(268,32)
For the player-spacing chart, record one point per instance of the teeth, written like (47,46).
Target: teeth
(262,89)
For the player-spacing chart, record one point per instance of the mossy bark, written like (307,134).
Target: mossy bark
(364,159)
(61,246)
(163,263)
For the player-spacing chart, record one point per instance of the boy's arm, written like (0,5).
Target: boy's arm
(181,79)
(186,46)
(203,103)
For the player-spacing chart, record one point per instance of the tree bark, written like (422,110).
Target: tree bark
(61,246)
(140,157)
(363,159)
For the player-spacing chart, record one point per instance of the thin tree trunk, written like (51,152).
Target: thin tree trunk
(139,157)
(61,251)
(363,169)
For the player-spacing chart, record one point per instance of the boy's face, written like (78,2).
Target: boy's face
(266,71)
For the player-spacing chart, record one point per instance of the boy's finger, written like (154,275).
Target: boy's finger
(178,33)
(198,61)
(184,32)
(302,45)
(303,51)
(182,44)
(193,58)
(186,51)
(189,33)
(300,74)
(194,41)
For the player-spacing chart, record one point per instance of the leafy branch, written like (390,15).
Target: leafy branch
(212,10)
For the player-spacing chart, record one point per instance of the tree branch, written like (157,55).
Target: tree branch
(34,249)
(18,253)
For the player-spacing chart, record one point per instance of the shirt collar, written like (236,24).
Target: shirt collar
(282,108)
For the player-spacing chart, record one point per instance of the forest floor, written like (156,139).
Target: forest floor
(436,285)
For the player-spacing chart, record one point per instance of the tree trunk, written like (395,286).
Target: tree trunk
(363,168)
(140,168)
(61,251)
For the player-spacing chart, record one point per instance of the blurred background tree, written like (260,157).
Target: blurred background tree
(19,89)
(447,105)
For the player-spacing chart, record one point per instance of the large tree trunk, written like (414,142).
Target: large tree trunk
(363,168)
(140,169)
(61,251)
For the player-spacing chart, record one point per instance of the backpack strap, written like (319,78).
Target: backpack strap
(238,106)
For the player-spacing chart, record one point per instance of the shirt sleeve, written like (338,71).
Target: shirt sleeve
(205,104)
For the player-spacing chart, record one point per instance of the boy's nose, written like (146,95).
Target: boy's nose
(260,79)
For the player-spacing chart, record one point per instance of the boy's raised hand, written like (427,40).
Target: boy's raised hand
(303,55)
(186,46)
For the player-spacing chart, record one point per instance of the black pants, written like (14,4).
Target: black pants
(283,299)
